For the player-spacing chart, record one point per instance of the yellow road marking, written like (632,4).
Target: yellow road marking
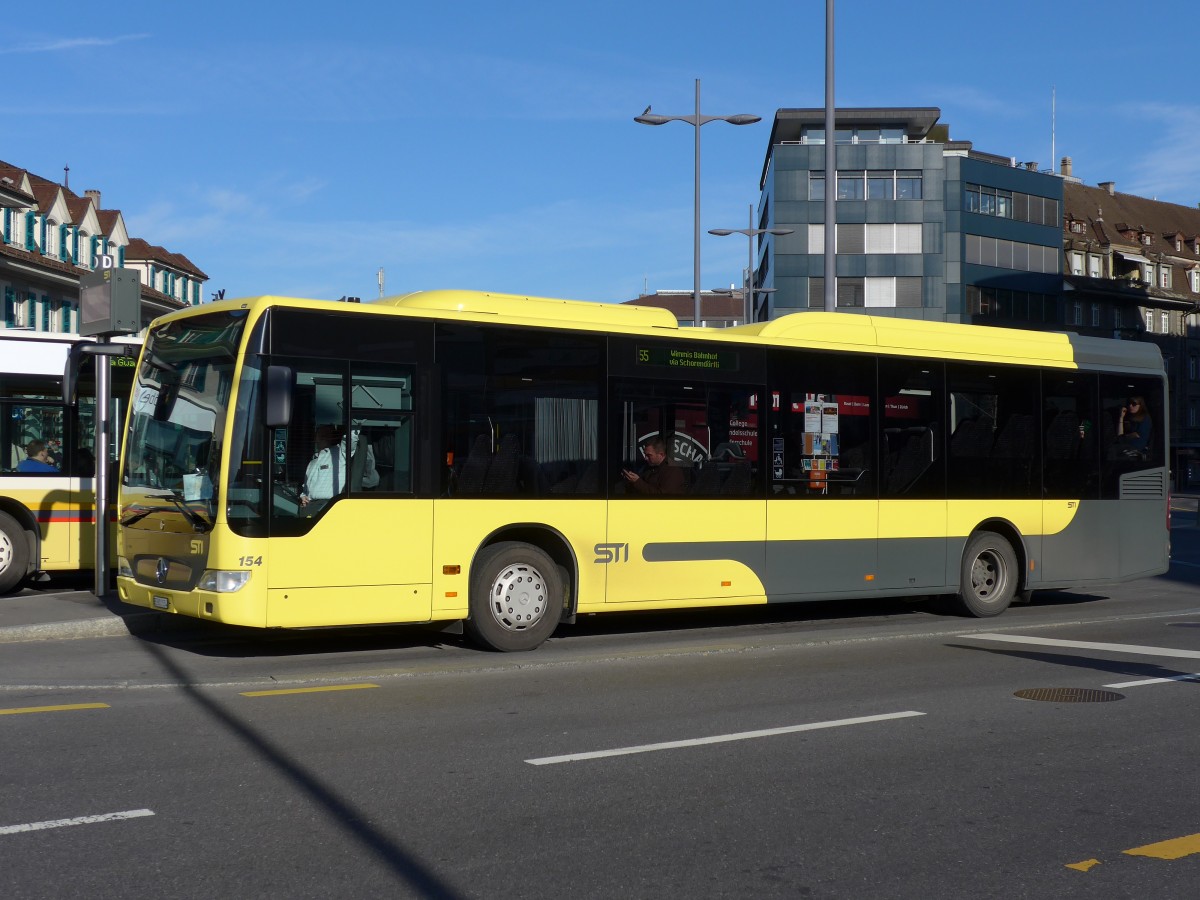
(309,690)
(38,709)
(1176,848)
(1083,866)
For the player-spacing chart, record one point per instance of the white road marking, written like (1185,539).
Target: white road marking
(719,738)
(81,820)
(1144,681)
(1087,645)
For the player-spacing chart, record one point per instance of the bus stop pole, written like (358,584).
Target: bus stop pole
(101,476)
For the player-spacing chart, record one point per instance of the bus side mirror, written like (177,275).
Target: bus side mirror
(279,396)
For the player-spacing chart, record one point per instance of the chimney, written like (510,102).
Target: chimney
(1031,166)
(94,196)
(1110,186)
(1065,168)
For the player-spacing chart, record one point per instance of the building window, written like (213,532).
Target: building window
(1118,318)
(1094,265)
(1164,276)
(850,292)
(816,293)
(1194,280)
(1164,321)
(908,292)
(1095,315)
(1192,417)
(1005,204)
(1150,321)
(1076,263)
(851,185)
(850,239)
(880,185)
(816,239)
(1076,313)
(1193,368)
(908,186)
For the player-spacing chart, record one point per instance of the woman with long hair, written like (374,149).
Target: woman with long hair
(1135,427)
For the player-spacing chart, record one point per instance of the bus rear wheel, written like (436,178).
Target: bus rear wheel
(516,597)
(14,553)
(988,579)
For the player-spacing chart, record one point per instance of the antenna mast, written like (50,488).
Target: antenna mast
(1053,158)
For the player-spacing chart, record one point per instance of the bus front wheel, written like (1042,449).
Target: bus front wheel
(14,553)
(516,597)
(988,580)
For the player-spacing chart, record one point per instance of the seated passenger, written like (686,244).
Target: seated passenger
(37,459)
(1135,427)
(658,477)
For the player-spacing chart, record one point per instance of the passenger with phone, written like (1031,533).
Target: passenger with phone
(658,477)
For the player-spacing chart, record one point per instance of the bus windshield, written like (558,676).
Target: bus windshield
(178,412)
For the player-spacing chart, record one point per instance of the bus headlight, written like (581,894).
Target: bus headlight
(124,570)
(223,581)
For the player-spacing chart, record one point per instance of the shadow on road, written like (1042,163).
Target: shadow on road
(411,873)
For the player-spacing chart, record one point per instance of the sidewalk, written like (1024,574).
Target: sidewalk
(73,613)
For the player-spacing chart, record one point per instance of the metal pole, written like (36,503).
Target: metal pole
(749,298)
(830,169)
(696,218)
(100,516)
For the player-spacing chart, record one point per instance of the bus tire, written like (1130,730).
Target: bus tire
(14,554)
(988,578)
(516,597)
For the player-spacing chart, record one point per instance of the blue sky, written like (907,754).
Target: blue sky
(298,148)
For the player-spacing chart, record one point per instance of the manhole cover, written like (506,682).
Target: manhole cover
(1069,695)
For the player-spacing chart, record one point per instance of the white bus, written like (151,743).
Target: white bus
(47,513)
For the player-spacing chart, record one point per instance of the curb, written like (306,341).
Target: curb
(116,625)
(83,628)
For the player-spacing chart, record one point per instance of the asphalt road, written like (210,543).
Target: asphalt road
(804,752)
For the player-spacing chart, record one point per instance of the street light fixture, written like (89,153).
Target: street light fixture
(696,120)
(751,233)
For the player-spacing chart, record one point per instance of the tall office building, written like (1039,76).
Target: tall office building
(925,225)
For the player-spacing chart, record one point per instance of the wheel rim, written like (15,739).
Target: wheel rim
(518,597)
(989,576)
(6,552)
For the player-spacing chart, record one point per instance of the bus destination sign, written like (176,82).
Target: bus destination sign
(688,358)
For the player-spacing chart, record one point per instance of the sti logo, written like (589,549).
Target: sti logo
(611,553)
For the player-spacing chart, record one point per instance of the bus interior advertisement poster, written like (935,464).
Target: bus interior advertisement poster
(902,407)
(694,358)
(743,434)
(820,438)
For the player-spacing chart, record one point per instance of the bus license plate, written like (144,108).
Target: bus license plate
(161,602)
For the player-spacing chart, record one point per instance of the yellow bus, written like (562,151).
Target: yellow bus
(458,456)
(47,516)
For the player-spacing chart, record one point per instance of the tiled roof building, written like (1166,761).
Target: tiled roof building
(50,236)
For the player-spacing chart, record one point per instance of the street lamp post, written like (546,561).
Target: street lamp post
(696,120)
(751,233)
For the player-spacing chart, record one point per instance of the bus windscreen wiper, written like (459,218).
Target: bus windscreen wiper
(196,520)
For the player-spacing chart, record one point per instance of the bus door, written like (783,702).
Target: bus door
(82,456)
(695,533)
(31,410)
(912,506)
(822,507)
(349,542)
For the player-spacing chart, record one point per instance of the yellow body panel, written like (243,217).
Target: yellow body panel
(359,605)
(57,504)
(460,527)
(829,520)
(363,561)
(641,524)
